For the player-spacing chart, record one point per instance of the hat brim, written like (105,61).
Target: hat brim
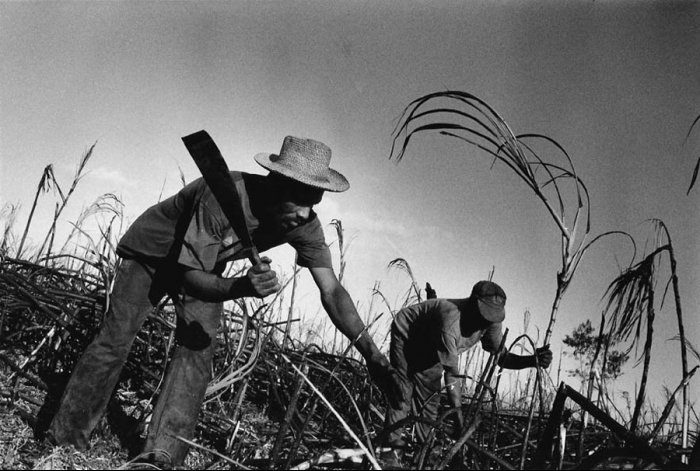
(330,180)
(491,312)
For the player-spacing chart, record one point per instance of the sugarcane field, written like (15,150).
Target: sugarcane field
(350,235)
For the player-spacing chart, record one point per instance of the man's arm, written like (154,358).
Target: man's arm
(259,281)
(454,395)
(340,308)
(511,361)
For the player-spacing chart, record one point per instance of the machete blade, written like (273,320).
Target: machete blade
(216,174)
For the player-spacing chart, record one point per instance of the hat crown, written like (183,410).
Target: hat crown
(485,289)
(490,299)
(306,161)
(304,153)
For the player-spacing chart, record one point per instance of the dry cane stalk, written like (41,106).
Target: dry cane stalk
(347,428)
(531,411)
(286,421)
(685,409)
(647,360)
(460,443)
(64,199)
(669,406)
(503,463)
(291,306)
(314,402)
(485,379)
(44,185)
(589,392)
(35,381)
(238,464)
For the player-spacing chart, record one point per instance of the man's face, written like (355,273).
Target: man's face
(473,321)
(295,201)
(289,214)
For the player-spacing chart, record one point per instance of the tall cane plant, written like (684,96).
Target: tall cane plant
(79,173)
(554,181)
(630,305)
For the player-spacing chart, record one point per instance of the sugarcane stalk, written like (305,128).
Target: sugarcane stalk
(503,463)
(531,410)
(347,428)
(647,360)
(237,464)
(589,390)
(685,409)
(44,183)
(669,406)
(28,376)
(64,199)
(466,434)
(286,421)
(291,307)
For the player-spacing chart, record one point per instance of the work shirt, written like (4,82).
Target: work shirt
(191,229)
(432,334)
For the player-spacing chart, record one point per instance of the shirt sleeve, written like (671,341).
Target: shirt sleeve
(446,317)
(310,244)
(202,239)
(447,351)
(491,339)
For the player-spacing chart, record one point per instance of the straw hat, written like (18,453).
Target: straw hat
(306,161)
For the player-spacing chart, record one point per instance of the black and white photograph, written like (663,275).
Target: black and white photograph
(361,234)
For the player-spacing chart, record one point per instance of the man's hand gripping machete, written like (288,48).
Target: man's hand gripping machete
(216,174)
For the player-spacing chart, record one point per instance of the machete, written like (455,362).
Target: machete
(216,175)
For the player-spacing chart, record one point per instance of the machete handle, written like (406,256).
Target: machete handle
(253,255)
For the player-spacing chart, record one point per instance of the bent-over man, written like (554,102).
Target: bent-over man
(426,341)
(180,247)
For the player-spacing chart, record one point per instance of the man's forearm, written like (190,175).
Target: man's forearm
(511,361)
(213,288)
(344,316)
(454,388)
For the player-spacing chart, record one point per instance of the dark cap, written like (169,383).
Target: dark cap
(491,300)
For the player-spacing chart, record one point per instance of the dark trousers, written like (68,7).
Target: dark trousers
(138,287)
(421,390)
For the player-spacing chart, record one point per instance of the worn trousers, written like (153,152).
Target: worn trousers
(138,287)
(421,390)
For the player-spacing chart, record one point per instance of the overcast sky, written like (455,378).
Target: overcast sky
(616,83)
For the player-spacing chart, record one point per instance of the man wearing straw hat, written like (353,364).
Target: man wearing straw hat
(180,247)
(426,341)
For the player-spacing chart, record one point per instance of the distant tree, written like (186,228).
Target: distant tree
(584,342)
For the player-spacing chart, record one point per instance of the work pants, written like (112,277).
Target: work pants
(138,287)
(421,390)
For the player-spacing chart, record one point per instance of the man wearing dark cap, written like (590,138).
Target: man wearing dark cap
(180,247)
(426,341)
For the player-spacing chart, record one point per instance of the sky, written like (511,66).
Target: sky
(617,84)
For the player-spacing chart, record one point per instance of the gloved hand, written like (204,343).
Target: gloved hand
(544,356)
(388,380)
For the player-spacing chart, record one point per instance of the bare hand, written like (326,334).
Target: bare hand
(389,381)
(544,356)
(263,279)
